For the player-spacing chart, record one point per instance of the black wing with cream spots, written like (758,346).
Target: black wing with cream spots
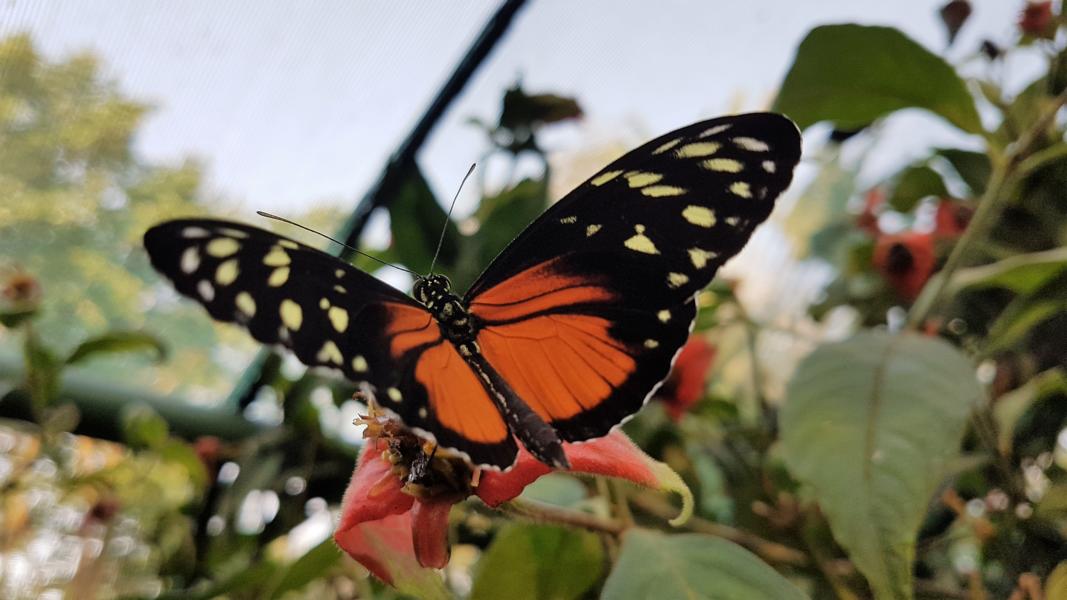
(326,311)
(650,230)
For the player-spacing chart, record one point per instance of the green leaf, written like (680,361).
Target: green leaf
(1014,404)
(854,74)
(557,489)
(654,565)
(142,427)
(871,425)
(1022,273)
(823,206)
(416,220)
(914,184)
(1056,584)
(307,568)
(42,373)
(536,562)
(118,341)
(973,168)
(505,215)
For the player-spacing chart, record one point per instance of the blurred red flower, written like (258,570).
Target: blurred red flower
(684,387)
(872,206)
(906,260)
(952,218)
(1036,19)
(398,531)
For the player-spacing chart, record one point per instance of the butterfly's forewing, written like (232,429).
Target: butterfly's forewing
(331,314)
(585,311)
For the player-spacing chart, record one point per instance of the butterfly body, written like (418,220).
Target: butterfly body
(569,330)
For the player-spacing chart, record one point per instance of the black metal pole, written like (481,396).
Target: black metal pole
(398,166)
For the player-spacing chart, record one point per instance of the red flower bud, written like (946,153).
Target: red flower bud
(952,218)
(1036,19)
(685,385)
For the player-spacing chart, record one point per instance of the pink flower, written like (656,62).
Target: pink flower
(398,529)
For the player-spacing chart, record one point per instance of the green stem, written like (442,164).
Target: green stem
(546,513)
(1006,173)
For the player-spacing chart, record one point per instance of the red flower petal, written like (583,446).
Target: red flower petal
(685,385)
(430,534)
(374,491)
(613,455)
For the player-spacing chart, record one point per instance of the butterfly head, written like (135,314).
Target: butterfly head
(432,289)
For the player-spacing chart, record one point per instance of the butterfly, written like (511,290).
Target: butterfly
(566,334)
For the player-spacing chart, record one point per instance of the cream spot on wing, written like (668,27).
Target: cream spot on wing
(422,412)
(769,166)
(190,260)
(751,144)
(592,229)
(339,273)
(324,303)
(638,179)
(699,257)
(664,315)
(227,272)
(651,344)
(205,290)
(290,244)
(222,247)
(394,394)
(569,220)
(697,149)
(194,232)
(700,216)
(714,130)
(278,277)
(605,177)
(723,165)
(659,191)
(640,242)
(277,257)
(339,318)
(231,232)
(340,290)
(246,304)
(330,353)
(733,220)
(665,147)
(291,313)
(359,364)
(677,280)
(741,188)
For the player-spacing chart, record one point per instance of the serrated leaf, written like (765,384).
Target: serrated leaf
(915,183)
(854,74)
(118,341)
(539,562)
(693,566)
(872,425)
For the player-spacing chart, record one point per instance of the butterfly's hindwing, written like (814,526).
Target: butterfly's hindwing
(585,311)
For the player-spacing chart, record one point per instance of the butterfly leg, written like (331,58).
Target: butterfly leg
(537,436)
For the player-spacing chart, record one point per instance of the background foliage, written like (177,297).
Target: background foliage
(918,448)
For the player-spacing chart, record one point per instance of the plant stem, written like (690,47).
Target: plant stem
(766,549)
(541,512)
(1005,175)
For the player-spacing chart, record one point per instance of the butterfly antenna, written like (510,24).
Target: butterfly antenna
(448,218)
(319,233)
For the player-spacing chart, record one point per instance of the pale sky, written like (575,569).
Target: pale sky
(294,103)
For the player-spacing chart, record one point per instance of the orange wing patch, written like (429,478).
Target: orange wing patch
(457,399)
(409,327)
(538,288)
(561,365)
